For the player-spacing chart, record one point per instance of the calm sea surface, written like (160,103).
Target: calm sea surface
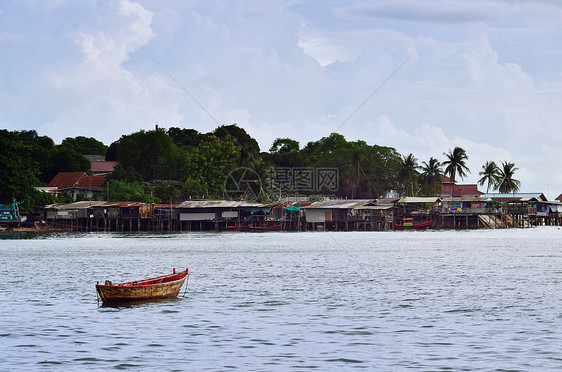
(488,300)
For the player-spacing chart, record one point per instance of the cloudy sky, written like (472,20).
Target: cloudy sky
(484,75)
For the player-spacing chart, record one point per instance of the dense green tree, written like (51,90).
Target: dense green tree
(185,137)
(316,151)
(248,146)
(127,191)
(40,148)
(431,173)
(193,188)
(165,192)
(363,171)
(65,159)
(489,173)
(409,174)
(85,145)
(285,152)
(505,182)
(127,175)
(18,170)
(152,154)
(111,153)
(211,161)
(456,164)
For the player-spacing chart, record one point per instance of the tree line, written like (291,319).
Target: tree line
(178,163)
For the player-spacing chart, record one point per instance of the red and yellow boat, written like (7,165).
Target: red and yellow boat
(164,286)
(408,223)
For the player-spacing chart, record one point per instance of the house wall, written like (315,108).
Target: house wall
(318,215)
(200,216)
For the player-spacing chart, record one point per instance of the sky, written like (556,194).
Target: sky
(422,76)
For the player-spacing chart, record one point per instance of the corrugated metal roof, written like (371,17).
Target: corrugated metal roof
(523,196)
(419,199)
(126,204)
(374,207)
(339,204)
(78,205)
(220,204)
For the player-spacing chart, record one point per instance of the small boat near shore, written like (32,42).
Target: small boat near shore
(160,287)
(407,223)
(254,228)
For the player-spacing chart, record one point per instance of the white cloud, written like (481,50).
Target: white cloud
(490,84)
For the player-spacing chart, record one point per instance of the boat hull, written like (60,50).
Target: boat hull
(421,225)
(149,289)
(254,228)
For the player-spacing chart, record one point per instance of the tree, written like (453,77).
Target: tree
(165,192)
(65,159)
(85,145)
(489,173)
(432,175)
(127,191)
(409,173)
(456,164)
(211,162)
(185,137)
(285,152)
(505,181)
(40,148)
(152,154)
(247,145)
(18,172)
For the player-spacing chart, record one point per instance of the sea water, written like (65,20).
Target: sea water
(488,300)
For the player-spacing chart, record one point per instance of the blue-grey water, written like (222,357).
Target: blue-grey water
(488,300)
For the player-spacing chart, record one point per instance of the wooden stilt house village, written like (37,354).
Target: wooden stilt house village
(450,212)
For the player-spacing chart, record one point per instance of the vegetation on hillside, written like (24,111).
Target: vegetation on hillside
(178,163)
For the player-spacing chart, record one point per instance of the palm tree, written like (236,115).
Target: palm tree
(409,173)
(489,175)
(505,182)
(431,173)
(456,164)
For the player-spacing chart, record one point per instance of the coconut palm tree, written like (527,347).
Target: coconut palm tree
(489,175)
(455,164)
(505,182)
(431,173)
(409,173)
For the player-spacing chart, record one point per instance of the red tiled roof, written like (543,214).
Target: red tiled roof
(65,180)
(103,166)
(461,190)
(446,179)
(91,181)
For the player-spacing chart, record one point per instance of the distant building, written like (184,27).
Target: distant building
(103,167)
(76,183)
(460,190)
(99,165)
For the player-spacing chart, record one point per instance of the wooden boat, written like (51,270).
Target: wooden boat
(408,223)
(254,228)
(164,286)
